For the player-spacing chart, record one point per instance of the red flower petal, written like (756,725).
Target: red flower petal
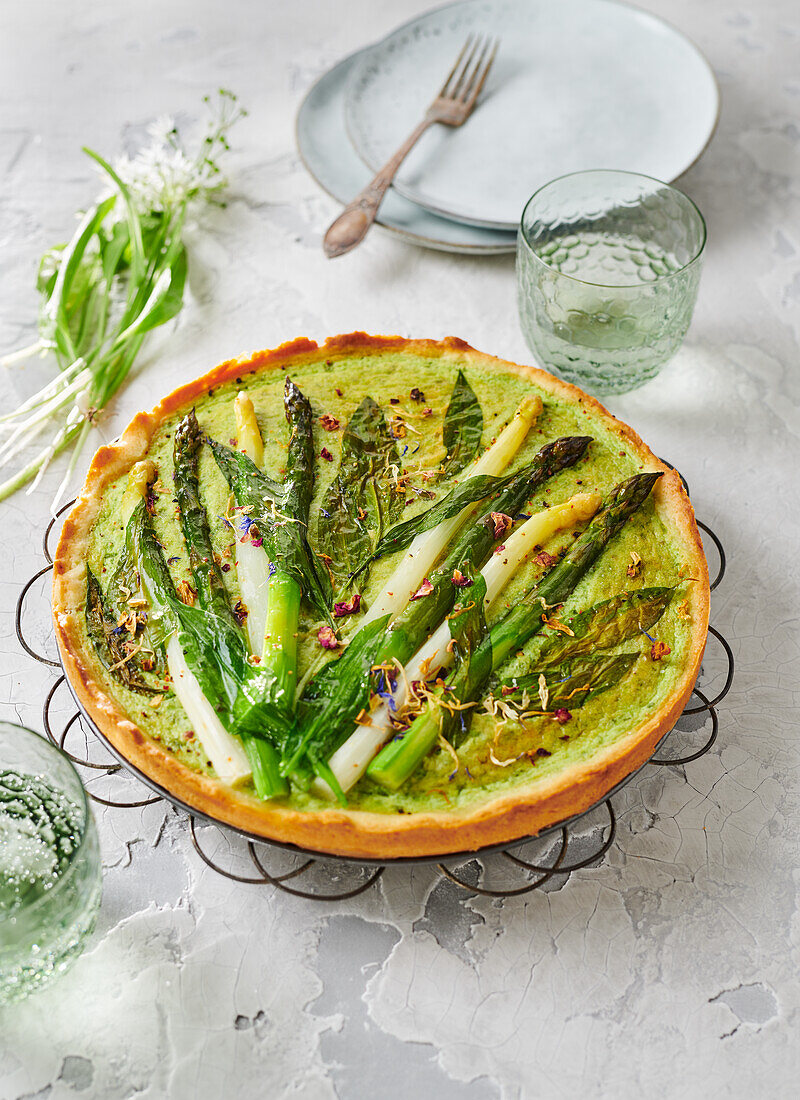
(348,608)
(502,523)
(326,638)
(425,589)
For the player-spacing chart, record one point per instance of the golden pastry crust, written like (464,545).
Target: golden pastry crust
(524,811)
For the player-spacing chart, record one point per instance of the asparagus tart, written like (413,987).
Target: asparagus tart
(381,597)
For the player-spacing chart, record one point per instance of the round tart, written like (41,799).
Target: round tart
(563,667)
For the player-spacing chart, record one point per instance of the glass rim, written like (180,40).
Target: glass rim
(85,829)
(615,172)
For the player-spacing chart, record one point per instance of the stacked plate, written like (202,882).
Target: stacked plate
(576,85)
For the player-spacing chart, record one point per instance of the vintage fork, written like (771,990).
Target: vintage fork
(452,107)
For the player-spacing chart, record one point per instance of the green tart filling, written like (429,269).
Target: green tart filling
(515,732)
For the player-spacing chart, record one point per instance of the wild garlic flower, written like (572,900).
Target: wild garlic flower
(163,176)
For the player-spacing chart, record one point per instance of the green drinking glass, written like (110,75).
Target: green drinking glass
(50,873)
(608,267)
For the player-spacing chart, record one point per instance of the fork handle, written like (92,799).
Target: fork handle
(352,224)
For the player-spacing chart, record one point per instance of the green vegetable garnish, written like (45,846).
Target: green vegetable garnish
(121,275)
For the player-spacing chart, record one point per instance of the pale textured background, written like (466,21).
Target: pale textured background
(669,971)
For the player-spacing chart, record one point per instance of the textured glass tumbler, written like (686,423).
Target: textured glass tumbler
(50,873)
(608,266)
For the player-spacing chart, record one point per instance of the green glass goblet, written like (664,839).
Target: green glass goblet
(50,873)
(608,267)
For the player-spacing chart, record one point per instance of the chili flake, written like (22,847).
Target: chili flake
(562,715)
(461,581)
(326,454)
(329,423)
(545,559)
(659,650)
(417,394)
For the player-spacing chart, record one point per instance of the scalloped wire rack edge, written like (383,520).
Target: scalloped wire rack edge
(561,832)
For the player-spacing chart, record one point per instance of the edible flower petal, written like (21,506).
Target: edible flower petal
(502,523)
(326,638)
(347,608)
(545,559)
(424,589)
(635,567)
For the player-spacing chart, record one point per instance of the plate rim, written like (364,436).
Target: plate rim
(404,234)
(433,207)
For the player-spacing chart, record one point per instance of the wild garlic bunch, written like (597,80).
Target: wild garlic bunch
(122,274)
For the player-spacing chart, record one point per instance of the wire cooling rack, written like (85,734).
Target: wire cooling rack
(337,873)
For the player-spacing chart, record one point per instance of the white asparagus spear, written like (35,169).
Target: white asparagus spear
(223,750)
(351,759)
(429,546)
(252,566)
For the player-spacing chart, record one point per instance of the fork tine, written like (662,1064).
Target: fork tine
(452,72)
(457,90)
(476,69)
(476,91)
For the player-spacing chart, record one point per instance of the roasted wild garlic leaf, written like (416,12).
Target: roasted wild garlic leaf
(571,684)
(111,640)
(363,496)
(607,624)
(462,428)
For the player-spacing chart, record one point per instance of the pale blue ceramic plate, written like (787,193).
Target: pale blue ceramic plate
(330,158)
(577,84)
